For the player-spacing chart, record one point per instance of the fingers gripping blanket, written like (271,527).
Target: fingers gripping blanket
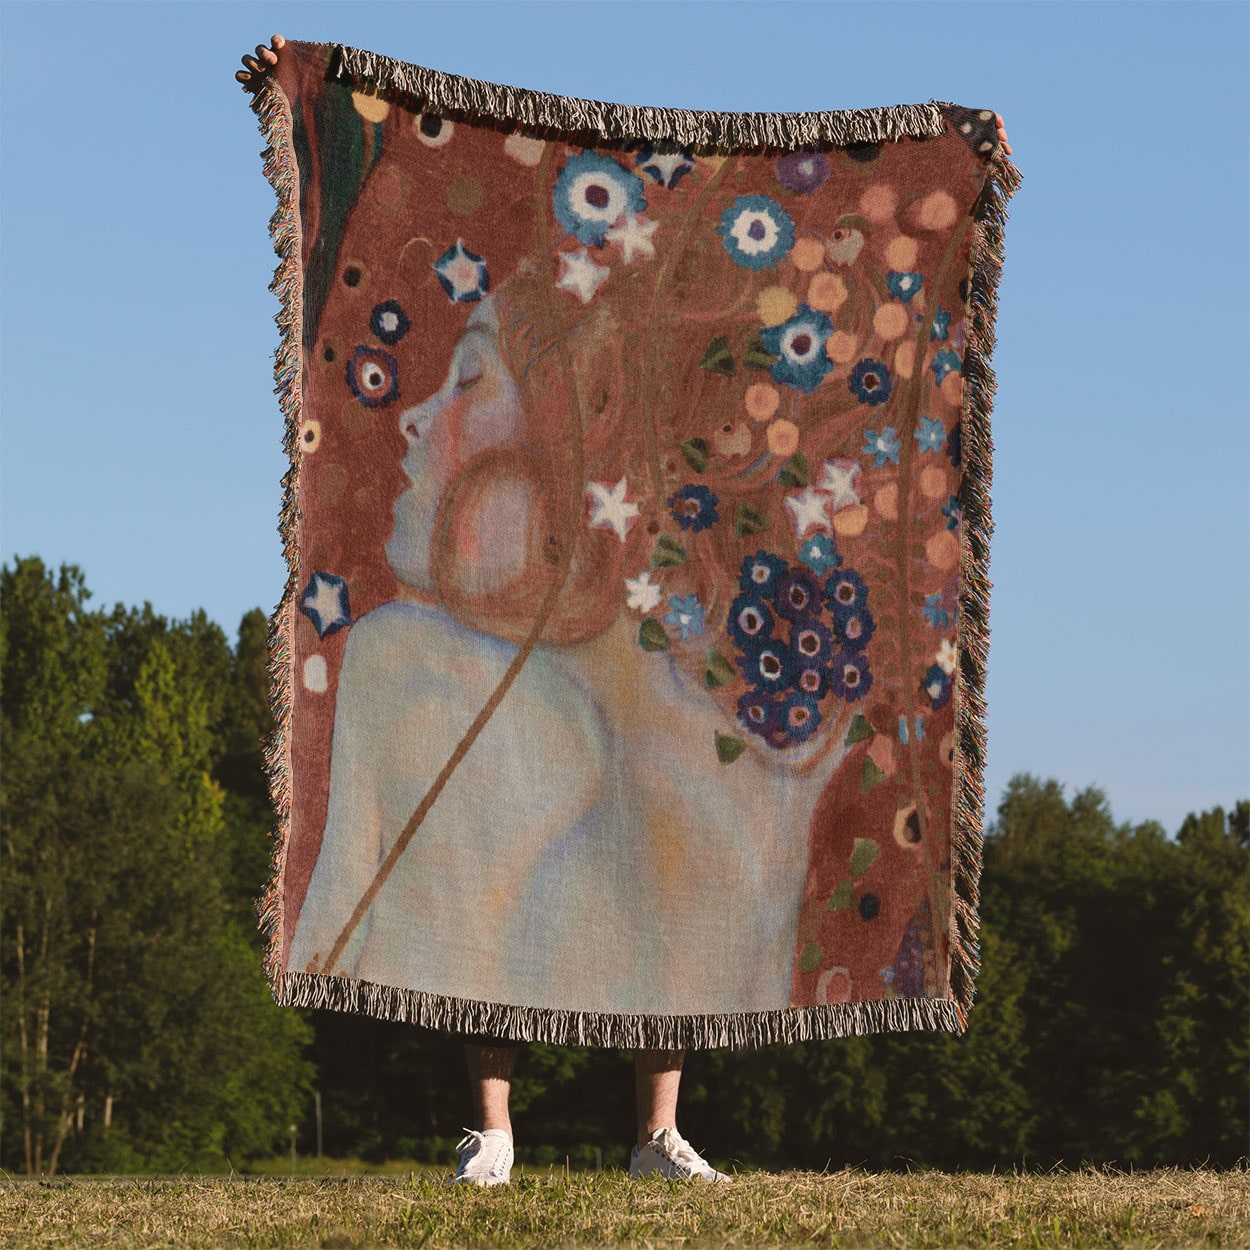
(628,677)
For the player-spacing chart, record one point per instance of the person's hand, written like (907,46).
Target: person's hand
(998,117)
(260,64)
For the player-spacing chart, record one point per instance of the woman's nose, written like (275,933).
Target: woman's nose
(415,422)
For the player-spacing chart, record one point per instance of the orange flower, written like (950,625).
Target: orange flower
(783,438)
(761,401)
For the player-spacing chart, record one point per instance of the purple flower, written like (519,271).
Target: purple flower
(851,676)
(760,713)
(798,593)
(855,628)
(389,322)
(373,376)
(803,171)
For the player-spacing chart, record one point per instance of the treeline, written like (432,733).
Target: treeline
(137,1032)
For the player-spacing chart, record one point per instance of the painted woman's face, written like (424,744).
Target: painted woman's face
(477,407)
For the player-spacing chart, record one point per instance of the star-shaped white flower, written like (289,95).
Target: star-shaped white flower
(946,657)
(838,481)
(668,166)
(580,274)
(325,603)
(644,594)
(609,508)
(807,510)
(633,237)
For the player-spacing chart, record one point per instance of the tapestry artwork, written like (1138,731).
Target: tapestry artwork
(628,678)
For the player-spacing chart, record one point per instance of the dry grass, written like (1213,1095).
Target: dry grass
(842,1209)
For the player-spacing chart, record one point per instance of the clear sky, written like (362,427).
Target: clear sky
(141,439)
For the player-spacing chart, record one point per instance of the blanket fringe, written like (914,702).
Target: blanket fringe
(974,589)
(274,114)
(450,94)
(628,1032)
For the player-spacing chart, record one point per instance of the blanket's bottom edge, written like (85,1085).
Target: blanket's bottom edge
(735,1031)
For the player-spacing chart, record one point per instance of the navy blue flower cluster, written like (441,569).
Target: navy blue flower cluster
(800,638)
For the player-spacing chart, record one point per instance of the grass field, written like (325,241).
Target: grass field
(840,1209)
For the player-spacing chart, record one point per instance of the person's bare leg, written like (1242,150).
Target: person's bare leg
(657,1078)
(490,1080)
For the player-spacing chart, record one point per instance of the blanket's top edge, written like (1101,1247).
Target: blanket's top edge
(443,92)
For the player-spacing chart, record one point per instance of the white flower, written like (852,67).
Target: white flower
(838,479)
(807,510)
(644,594)
(610,509)
(946,657)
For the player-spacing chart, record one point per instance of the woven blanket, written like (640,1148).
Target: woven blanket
(628,677)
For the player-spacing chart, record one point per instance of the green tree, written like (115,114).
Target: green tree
(139,1030)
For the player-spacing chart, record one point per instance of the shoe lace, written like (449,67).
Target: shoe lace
(683,1153)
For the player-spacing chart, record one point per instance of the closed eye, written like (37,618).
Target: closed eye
(465,383)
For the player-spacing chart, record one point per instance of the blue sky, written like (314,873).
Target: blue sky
(141,439)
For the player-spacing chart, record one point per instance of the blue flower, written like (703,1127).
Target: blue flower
(819,554)
(388,322)
(854,628)
(931,435)
(811,641)
(955,444)
(798,716)
(851,676)
(803,171)
(934,613)
(946,361)
(685,614)
(882,446)
(694,507)
(325,603)
(373,376)
(593,193)
(937,686)
(870,382)
(799,345)
(749,619)
(760,713)
(756,231)
(760,573)
(903,285)
(462,274)
(765,663)
(953,512)
(665,163)
(845,591)
(941,326)
(798,594)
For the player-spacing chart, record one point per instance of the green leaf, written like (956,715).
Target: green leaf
(842,898)
(860,729)
(728,747)
(651,635)
(870,775)
(718,358)
(757,356)
(668,553)
(747,520)
(863,856)
(695,451)
(719,670)
(811,958)
(795,473)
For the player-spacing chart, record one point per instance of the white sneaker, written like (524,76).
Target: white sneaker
(668,1153)
(485,1158)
